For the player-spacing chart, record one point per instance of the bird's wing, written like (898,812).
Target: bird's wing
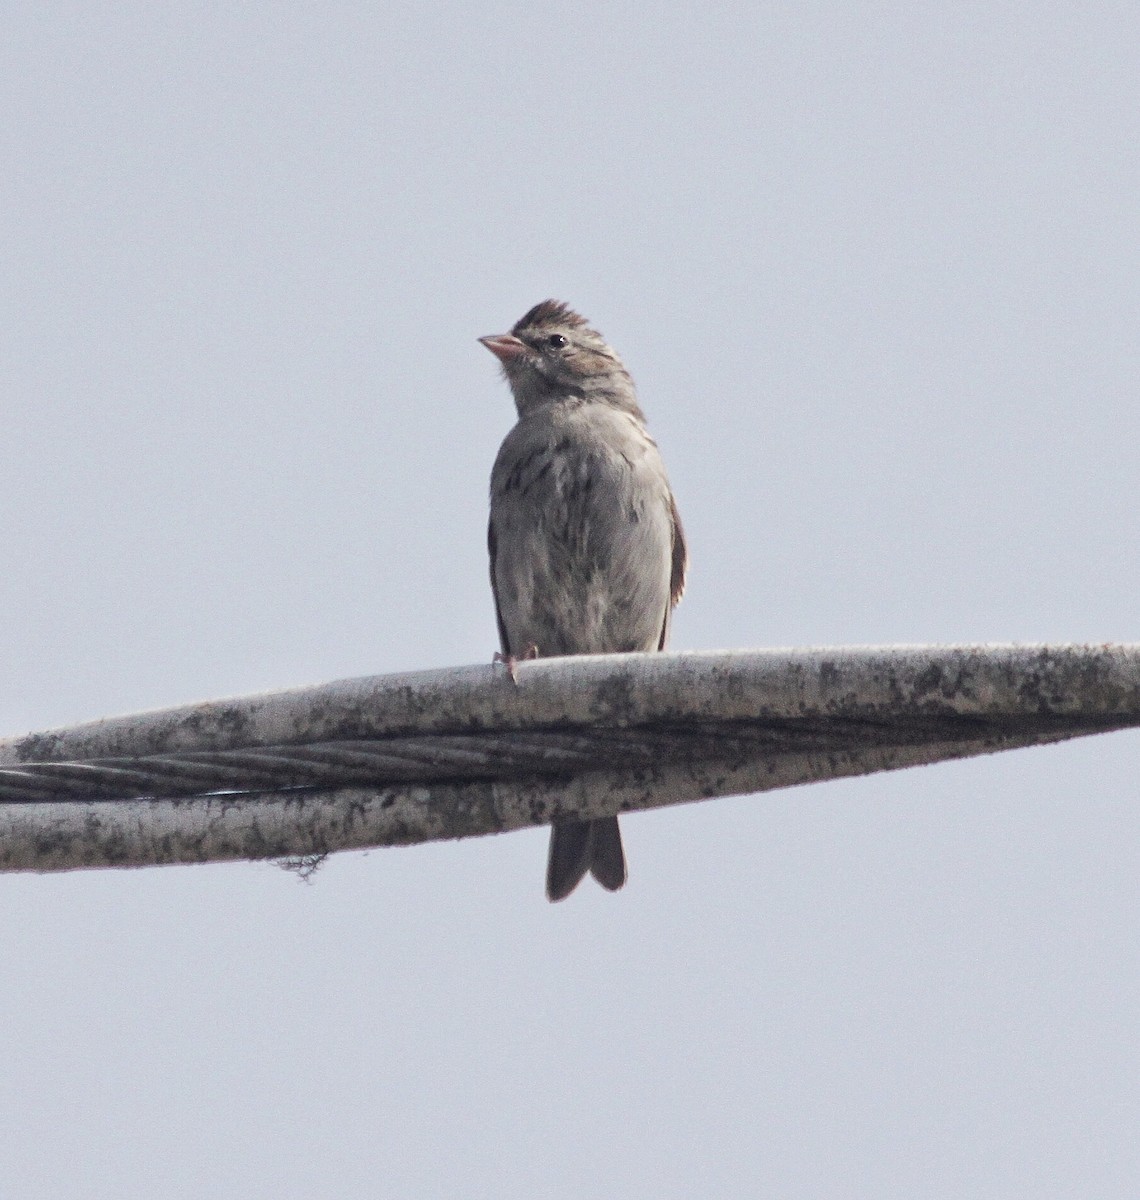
(492,542)
(677,574)
(680,555)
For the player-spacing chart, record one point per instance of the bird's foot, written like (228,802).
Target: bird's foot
(512,663)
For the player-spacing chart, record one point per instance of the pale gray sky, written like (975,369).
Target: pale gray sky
(876,268)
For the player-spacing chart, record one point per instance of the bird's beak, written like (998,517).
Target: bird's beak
(504,346)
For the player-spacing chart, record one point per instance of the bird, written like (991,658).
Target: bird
(587,551)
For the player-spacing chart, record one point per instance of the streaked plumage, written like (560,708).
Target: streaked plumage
(587,550)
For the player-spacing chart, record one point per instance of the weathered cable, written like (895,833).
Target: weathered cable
(398,759)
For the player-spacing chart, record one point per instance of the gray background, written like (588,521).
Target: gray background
(875,268)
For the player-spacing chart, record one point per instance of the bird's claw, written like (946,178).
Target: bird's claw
(512,663)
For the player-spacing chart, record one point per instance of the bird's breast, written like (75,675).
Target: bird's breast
(583,539)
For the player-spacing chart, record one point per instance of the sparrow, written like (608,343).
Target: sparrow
(587,550)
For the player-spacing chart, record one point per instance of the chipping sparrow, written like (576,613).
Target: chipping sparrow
(587,551)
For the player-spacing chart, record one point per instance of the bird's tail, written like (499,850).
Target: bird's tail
(580,846)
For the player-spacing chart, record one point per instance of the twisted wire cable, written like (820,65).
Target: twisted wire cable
(400,759)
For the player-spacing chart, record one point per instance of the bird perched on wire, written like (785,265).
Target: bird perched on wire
(587,551)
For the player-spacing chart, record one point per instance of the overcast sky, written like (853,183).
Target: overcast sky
(876,270)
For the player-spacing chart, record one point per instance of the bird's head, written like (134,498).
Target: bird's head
(552,355)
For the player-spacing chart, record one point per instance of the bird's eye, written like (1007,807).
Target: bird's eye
(557,341)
